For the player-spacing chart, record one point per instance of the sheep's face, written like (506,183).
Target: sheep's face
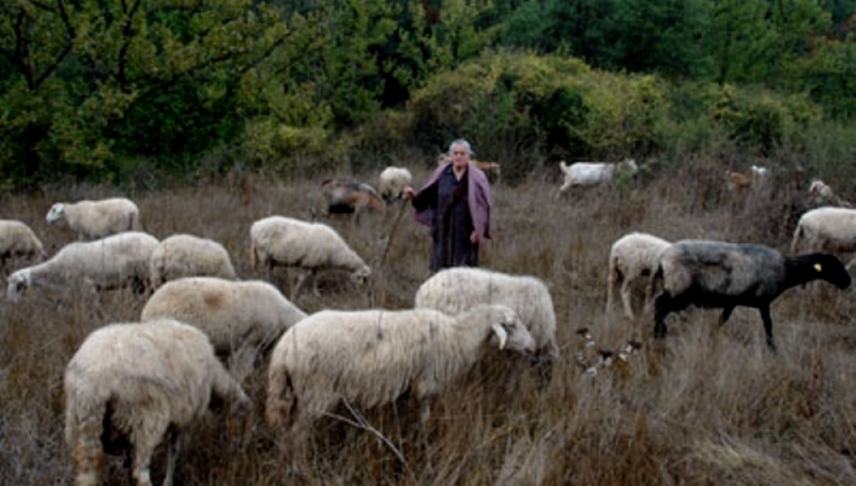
(361,276)
(830,268)
(56,213)
(509,332)
(17,282)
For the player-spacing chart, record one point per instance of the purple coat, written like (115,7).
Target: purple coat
(478,199)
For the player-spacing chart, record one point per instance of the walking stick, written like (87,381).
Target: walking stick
(389,240)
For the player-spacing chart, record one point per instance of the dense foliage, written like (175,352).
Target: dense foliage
(108,90)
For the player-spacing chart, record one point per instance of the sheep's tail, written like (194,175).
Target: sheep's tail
(281,401)
(798,233)
(565,167)
(85,416)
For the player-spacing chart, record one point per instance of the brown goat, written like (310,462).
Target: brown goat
(347,196)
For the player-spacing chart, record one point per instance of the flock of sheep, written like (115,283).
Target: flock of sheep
(202,330)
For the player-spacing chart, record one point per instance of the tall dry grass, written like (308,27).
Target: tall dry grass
(701,407)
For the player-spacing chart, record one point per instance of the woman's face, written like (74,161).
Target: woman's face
(460,156)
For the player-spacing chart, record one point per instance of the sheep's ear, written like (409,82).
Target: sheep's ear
(501,335)
(818,267)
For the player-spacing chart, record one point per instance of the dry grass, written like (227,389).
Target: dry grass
(702,407)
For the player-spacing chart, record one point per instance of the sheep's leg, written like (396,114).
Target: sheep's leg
(662,308)
(314,277)
(768,326)
(726,313)
(625,298)
(174,448)
(300,279)
(145,436)
(611,282)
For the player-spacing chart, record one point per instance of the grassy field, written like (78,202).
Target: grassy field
(703,406)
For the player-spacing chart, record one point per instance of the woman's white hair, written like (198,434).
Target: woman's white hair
(463,143)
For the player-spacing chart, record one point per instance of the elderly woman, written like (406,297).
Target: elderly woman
(455,204)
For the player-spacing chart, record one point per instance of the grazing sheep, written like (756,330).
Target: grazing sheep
(822,193)
(633,257)
(188,256)
(826,229)
(713,274)
(371,357)
(392,182)
(240,318)
(129,385)
(587,174)
(18,240)
(310,247)
(108,263)
(455,290)
(347,196)
(97,219)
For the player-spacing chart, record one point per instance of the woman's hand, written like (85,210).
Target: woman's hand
(408,193)
(474,237)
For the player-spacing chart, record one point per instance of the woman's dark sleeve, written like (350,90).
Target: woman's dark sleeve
(425,199)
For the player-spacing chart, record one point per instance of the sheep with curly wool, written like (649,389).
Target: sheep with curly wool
(97,219)
(588,174)
(129,385)
(188,256)
(455,290)
(18,240)
(241,318)
(308,247)
(371,357)
(714,274)
(828,229)
(392,181)
(633,257)
(113,262)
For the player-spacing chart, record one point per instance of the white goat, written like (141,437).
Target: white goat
(587,174)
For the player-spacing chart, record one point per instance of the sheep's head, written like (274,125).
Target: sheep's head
(629,165)
(829,267)
(361,275)
(56,213)
(507,331)
(17,282)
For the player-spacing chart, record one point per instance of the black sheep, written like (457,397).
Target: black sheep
(713,274)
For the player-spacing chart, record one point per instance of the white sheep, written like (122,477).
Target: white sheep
(828,228)
(129,384)
(392,182)
(97,219)
(715,274)
(18,240)
(633,257)
(369,358)
(309,247)
(455,290)
(187,256)
(108,263)
(587,174)
(819,191)
(240,317)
